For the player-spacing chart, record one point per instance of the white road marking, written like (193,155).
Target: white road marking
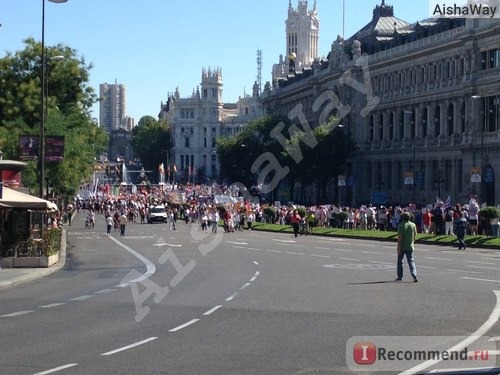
(467,271)
(492,320)
(167,244)
(255,262)
(273,251)
(372,261)
(245,285)
(293,253)
(355,260)
(427,267)
(257,273)
(63,367)
(183,325)
(476,279)
(231,297)
(344,250)
(365,245)
(286,241)
(321,248)
(52,305)
(17,313)
(371,252)
(253,248)
(236,243)
(333,239)
(253,279)
(476,262)
(444,259)
(150,267)
(482,267)
(123,348)
(81,298)
(319,256)
(238,247)
(105,291)
(213,309)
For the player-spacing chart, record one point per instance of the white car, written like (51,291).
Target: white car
(157,213)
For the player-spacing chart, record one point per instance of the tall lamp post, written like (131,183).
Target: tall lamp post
(42,100)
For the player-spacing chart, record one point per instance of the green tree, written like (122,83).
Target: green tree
(151,141)
(324,161)
(67,105)
(238,153)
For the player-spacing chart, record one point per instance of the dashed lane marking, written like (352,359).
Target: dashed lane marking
(123,348)
(178,328)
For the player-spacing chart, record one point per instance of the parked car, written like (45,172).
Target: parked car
(157,213)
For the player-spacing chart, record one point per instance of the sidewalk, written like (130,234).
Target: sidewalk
(15,276)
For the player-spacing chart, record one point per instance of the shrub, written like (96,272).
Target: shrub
(51,242)
(270,214)
(489,212)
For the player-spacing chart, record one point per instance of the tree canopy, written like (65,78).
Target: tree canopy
(67,105)
(309,156)
(151,142)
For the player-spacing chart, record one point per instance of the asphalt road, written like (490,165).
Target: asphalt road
(159,301)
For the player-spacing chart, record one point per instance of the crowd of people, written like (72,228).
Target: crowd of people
(196,204)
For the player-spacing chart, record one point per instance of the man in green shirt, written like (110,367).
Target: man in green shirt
(407,231)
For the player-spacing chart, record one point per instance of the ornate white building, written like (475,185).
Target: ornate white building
(302,36)
(197,121)
(421,101)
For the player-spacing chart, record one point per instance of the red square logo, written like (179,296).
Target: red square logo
(365,353)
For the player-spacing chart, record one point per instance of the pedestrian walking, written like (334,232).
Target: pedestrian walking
(109,224)
(459,228)
(123,223)
(407,231)
(295,220)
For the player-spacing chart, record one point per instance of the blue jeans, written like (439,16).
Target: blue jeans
(411,263)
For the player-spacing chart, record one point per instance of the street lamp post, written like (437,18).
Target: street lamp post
(42,101)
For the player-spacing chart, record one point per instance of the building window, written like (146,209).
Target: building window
(186,142)
(391,126)
(424,123)
(437,121)
(401,125)
(451,122)
(462,118)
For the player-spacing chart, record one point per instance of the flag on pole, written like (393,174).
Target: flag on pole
(447,202)
(175,168)
(161,169)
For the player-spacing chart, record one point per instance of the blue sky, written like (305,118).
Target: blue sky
(154,46)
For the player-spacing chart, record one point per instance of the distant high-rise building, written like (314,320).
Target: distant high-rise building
(112,107)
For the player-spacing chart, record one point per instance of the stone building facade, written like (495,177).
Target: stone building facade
(197,121)
(421,101)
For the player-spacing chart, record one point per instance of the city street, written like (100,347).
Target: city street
(159,301)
